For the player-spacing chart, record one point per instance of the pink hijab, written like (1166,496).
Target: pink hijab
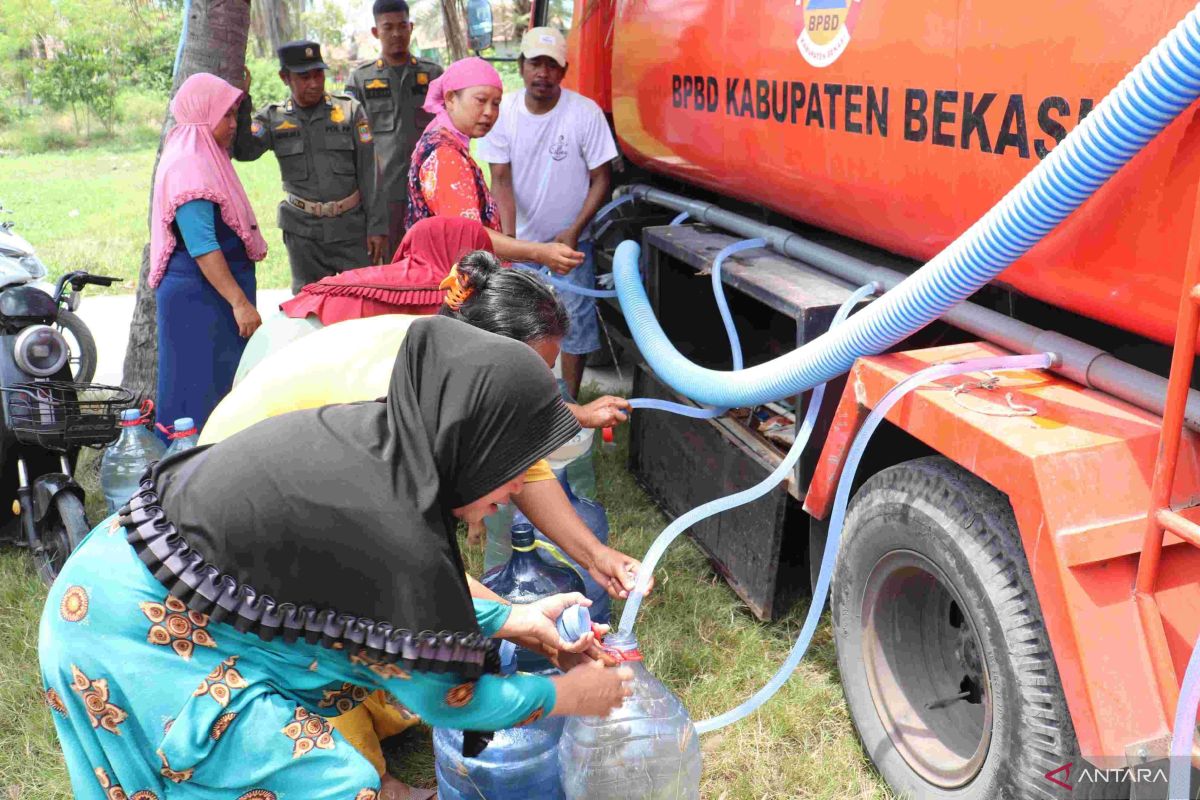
(194,167)
(461,74)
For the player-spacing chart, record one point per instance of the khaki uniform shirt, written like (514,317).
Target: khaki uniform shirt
(393,97)
(325,153)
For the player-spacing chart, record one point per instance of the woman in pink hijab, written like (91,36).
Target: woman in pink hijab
(443,179)
(204,240)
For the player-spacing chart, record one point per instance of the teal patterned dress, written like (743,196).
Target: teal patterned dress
(152,700)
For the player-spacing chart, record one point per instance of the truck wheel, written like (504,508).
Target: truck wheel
(61,531)
(81,343)
(940,640)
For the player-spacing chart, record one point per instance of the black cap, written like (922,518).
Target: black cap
(302,56)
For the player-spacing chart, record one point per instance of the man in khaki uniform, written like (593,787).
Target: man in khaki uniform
(333,217)
(393,89)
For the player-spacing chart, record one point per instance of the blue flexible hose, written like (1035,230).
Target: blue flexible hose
(187,14)
(1161,86)
(838,517)
(676,408)
(735,343)
(561,285)
(672,531)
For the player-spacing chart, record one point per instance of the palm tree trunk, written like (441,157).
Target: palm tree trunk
(453,14)
(216,42)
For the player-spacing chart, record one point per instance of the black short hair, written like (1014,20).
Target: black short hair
(388,7)
(508,302)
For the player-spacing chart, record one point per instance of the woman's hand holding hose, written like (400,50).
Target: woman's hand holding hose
(603,412)
(558,257)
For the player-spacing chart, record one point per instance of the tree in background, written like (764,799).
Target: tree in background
(273,22)
(79,54)
(454,15)
(215,41)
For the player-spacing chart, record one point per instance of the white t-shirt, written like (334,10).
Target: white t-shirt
(551,155)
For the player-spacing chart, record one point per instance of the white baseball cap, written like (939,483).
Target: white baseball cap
(545,42)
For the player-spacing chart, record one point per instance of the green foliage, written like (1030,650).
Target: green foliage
(79,77)
(324,25)
(79,55)
(265,85)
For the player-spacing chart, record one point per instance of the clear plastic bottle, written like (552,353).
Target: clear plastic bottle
(126,459)
(183,436)
(519,764)
(648,748)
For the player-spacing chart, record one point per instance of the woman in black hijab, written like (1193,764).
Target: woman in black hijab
(256,586)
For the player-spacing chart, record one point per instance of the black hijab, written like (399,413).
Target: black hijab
(348,506)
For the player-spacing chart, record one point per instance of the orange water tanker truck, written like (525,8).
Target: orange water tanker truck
(1017,589)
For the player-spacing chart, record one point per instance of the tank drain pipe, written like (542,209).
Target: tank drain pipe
(1081,362)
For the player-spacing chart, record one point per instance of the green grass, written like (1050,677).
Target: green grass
(87,209)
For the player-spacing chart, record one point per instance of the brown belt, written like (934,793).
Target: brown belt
(333,208)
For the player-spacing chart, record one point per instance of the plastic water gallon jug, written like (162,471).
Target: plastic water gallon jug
(127,458)
(528,577)
(575,457)
(519,764)
(499,546)
(594,516)
(183,436)
(647,748)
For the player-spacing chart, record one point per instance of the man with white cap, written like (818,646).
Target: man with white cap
(549,154)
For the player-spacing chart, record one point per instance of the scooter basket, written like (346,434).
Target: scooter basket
(61,415)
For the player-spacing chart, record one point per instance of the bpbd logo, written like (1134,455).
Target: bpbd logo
(825,27)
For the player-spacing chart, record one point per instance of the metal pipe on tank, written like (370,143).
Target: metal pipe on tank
(1081,362)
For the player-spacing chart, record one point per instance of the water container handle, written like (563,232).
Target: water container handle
(145,411)
(553,551)
(172,434)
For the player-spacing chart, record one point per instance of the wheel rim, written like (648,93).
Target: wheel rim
(925,669)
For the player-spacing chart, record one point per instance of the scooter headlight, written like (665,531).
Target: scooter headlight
(41,351)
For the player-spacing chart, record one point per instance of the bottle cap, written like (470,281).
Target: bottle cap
(574,622)
(184,424)
(130,415)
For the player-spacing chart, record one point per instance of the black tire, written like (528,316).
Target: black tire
(61,531)
(83,348)
(932,583)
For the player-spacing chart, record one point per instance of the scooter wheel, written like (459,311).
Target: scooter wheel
(61,531)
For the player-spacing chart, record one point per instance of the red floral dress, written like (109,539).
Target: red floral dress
(444,181)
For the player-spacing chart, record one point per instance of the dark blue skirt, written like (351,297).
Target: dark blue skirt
(198,342)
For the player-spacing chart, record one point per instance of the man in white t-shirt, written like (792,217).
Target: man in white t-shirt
(549,154)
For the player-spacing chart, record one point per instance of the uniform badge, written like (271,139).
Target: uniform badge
(256,129)
(286,125)
(308,52)
(364,132)
(337,115)
(422,78)
(378,83)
